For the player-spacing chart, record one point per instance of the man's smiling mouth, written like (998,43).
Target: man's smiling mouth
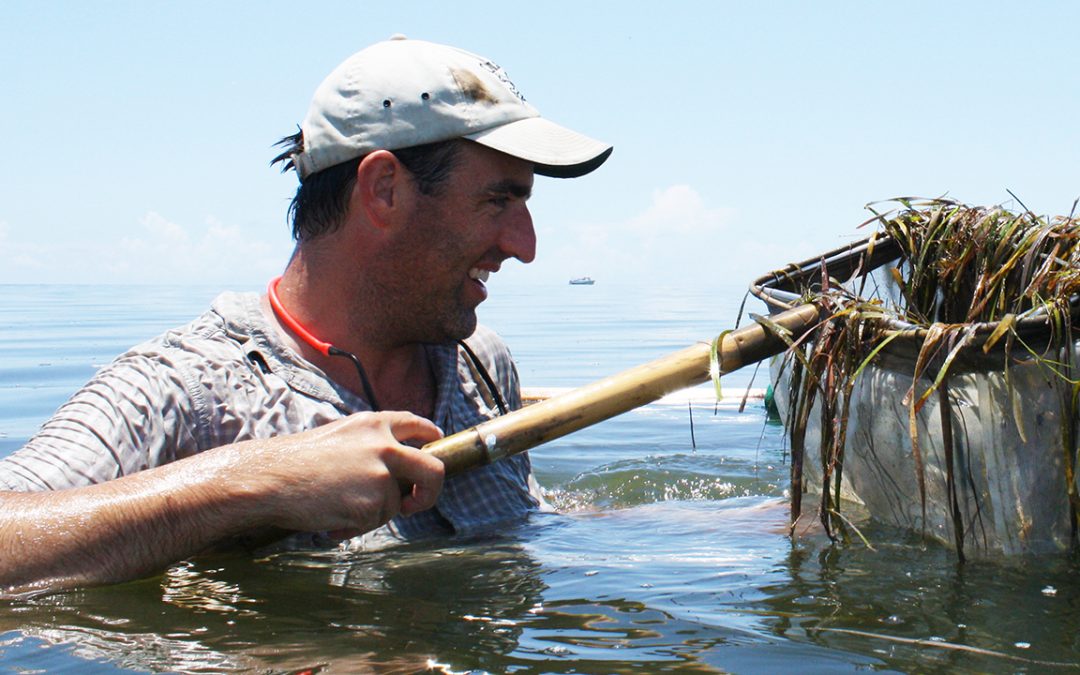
(479,274)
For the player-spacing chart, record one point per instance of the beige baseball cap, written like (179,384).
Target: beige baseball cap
(400,93)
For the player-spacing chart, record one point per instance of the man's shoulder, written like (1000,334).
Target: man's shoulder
(221,327)
(489,346)
(487,339)
(494,356)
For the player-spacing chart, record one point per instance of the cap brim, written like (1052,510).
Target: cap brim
(554,150)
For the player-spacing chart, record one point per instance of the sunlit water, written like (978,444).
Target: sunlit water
(671,552)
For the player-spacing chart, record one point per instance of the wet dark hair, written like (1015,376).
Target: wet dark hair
(323,197)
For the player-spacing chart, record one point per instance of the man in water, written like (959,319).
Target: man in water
(415,162)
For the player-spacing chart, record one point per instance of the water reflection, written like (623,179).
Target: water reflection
(393,609)
(703,586)
(654,588)
(913,605)
(664,587)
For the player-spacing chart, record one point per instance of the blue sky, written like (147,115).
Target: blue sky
(749,135)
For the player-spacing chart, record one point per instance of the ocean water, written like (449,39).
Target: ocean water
(670,552)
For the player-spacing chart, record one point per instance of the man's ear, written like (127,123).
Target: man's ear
(381,188)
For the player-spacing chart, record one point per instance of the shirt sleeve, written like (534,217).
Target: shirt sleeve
(136,413)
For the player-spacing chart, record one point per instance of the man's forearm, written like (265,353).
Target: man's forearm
(343,477)
(119,530)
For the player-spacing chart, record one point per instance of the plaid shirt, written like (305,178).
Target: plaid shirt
(227,377)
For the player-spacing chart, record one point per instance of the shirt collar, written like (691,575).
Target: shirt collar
(244,319)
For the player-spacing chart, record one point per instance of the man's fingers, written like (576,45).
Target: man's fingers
(407,427)
(411,478)
(420,476)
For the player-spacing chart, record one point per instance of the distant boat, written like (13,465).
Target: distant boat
(582,281)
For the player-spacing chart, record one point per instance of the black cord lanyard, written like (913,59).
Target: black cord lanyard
(327,349)
(485,376)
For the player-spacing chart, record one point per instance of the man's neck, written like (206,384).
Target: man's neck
(401,376)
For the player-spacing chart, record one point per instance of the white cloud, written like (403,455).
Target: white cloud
(165,251)
(680,210)
(20,261)
(159,251)
(163,231)
(678,237)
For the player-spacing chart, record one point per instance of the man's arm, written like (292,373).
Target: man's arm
(344,477)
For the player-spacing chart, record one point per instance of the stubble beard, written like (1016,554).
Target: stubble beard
(435,309)
(414,314)
(446,319)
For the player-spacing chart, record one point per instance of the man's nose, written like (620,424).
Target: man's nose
(518,237)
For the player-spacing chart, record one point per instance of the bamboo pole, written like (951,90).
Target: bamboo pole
(523,429)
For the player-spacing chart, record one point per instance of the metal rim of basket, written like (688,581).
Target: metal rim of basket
(859,259)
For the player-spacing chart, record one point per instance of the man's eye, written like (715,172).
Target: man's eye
(499,202)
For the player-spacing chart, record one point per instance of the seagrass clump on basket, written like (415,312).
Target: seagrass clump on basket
(940,392)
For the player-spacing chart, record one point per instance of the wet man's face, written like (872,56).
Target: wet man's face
(457,237)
